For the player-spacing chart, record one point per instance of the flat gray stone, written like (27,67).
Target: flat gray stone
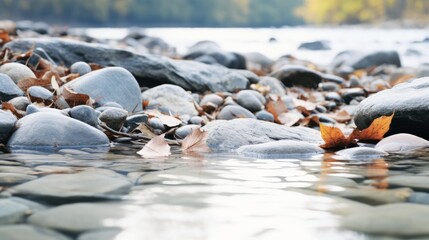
(418,183)
(107,234)
(9,179)
(81,217)
(29,232)
(230,135)
(17,71)
(12,212)
(280,149)
(112,84)
(402,143)
(8,89)
(399,219)
(89,184)
(173,98)
(51,131)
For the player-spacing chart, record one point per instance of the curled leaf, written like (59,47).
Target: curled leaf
(196,142)
(157,147)
(167,120)
(73,98)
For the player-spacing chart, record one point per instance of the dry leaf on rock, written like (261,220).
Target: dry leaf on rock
(276,107)
(309,106)
(167,120)
(289,119)
(342,116)
(333,137)
(10,107)
(145,130)
(376,130)
(73,98)
(196,142)
(157,147)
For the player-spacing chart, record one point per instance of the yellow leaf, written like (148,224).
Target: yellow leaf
(377,129)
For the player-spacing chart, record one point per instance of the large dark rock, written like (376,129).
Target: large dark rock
(230,135)
(51,131)
(295,75)
(7,125)
(410,103)
(112,84)
(359,60)
(149,70)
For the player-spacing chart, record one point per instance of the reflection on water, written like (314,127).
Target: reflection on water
(226,196)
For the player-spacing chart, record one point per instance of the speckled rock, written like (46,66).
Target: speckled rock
(172,97)
(16,71)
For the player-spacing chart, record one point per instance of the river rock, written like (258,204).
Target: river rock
(7,125)
(9,179)
(251,100)
(41,93)
(50,131)
(402,143)
(276,86)
(17,71)
(184,131)
(12,212)
(8,89)
(113,84)
(20,103)
(265,116)
(296,75)
(234,111)
(213,99)
(361,153)
(114,118)
(84,114)
(410,103)
(92,216)
(398,219)
(360,60)
(89,184)
(258,62)
(315,46)
(135,120)
(280,149)
(230,135)
(80,68)
(148,69)
(27,232)
(172,97)
(418,183)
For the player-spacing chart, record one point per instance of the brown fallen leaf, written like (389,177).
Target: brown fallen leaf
(73,98)
(289,119)
(157,147)
(376,130)
(342,116)
(196,142)
(4,37)
(10,107)
(25,84)
(309,106)
(333,137)
(276,107)
(145,130)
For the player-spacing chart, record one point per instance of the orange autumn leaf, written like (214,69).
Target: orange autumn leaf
(377,129)
(276,107)
(333,137)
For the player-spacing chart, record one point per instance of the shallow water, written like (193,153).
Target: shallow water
(223,196)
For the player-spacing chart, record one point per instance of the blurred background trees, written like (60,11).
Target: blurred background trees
(225,13)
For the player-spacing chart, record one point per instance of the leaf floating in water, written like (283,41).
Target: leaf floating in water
(157,147)
(196,142)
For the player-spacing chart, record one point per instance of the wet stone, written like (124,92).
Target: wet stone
(156,123)
(84,114)
(233,111)
(295,75)
(80,68)
(12,212)
(280,149)
(418,183)
(184,131)
(92,216)
(107,234)
(10,179)
(251,100)
(229,135)
(351,93)
(135,120)
(90,184)
(276,86)
(16,71)
(402,143)
(361,153)
(196,120)
(27,232)
(8,89)
(213,99)
(7,125)
(113,117)
(399,219)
